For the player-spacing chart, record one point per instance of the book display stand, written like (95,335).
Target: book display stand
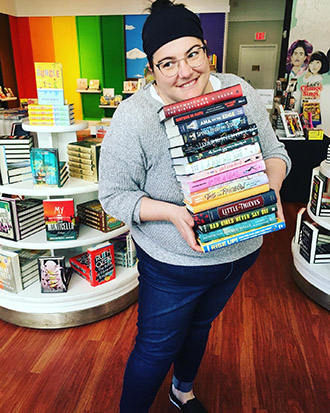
(313,278)
(82,303)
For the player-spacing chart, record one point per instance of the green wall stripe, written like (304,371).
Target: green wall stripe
(90,59)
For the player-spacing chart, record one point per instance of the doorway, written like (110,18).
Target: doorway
(257,65)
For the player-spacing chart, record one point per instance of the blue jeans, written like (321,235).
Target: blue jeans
(177,305)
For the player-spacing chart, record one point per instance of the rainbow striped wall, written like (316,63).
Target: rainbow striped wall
(86,46)
(91,47)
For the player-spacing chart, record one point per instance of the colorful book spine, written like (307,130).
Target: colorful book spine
(205,121)
(226,189)
(217,160)
(316,194)
(230,175)
(214,130)
(233,239)
(237,228)
(222,139)
(181,160)
(201,101)
(205,111)
(244,216)
(233,208)
(227,199)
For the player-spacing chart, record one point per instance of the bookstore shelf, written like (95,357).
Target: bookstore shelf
(89,91)
(82,304)
(313,279)
(108,106)
(323,221)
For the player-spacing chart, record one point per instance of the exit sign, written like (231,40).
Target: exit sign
(260,36)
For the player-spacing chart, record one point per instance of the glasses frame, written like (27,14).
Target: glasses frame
(177,63)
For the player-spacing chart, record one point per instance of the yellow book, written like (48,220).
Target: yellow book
(227,199)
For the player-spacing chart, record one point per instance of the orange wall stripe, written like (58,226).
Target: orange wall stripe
(42,41)
(66,52)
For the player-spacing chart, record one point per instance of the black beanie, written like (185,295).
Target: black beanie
(167,24)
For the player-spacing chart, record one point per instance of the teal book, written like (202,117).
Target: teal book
(45,166)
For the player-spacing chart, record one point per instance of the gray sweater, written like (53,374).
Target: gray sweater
(135,162)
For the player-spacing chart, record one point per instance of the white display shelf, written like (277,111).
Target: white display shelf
(82,303)
(71,187)
(56,136)
(323,221)
(325,169)
(93,91)
(108,106)
(87,236)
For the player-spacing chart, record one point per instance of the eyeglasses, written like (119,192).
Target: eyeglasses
(193,59)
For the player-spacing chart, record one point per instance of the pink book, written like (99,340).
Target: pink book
(230,175)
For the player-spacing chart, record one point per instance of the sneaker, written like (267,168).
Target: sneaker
(192,406)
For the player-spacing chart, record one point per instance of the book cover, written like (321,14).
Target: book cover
(52,274)
(229,209)
(222,158)
(10,273)
(236,228)
(80,264)
(60,219)
(242,217)
(316,194)
(205,111)
(232,174)
(233,239)
(226,189)
(18,168)
(84,146)
(45,166)
(206,121)
(49,80)
(3,166)
(102,263)
(201,101)
(82,84)
(185,159)
(308,241)
(7,224)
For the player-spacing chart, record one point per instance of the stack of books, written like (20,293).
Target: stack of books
(92,214)
(20,218)
(51,115)
(96,265)
(83,159)
(217,159)
(125,251)
(47,169)
(19,268)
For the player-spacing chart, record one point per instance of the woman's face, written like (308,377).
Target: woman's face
(188,82)
(315,66)
(298,57)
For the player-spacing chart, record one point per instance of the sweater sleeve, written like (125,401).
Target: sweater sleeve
(122,167)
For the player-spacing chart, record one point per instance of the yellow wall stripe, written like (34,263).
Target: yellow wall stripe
(66,52)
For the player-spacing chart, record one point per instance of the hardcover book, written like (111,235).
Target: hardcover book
(60,219)
(10,273)
(52,274)
(49,80)
(7,226)
(45,166)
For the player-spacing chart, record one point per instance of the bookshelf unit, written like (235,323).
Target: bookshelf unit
(82,303)
(313,279)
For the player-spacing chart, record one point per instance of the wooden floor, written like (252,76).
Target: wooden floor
(269,351)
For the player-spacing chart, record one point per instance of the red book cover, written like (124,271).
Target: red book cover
(201,101)
(60,219)
(102,263)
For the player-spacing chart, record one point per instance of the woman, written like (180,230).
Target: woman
(182,290)
(318,65)
(298,57)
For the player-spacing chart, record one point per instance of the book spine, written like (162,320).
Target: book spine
(316,195)
(211,131)
(224,242)
(237,228)
(210,120)
(221,149)
(234,208)
(244,216)
(202,101)
(229,188)
(222,139)
(208,110)
(222,158)
(227,176)
(226,199)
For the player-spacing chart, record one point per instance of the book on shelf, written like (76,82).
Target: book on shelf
(203,122)
(207,99)
(49,81)
(310,249)
(60,220)
(53,275)
(10,273)
(46,167)
(205,111)
(124,250)
(19,168)
(17,140)
(235,219)
(82,84)
(316,194)
(236,228)
(94,84)
(243,236)
(85,152)
(96,265)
